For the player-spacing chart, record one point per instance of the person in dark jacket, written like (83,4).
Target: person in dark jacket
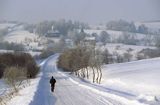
(52,82)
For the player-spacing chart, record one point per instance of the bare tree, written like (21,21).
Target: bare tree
(99,58)
(77,60)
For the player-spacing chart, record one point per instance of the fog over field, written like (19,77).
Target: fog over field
(91,11)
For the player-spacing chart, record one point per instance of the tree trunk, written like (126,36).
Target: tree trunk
(83,73)
(100,75)
(93,75)
(76,73)
(97,79)
(87,73)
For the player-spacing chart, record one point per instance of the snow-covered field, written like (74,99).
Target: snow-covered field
(140,78)
(26,94)
(137,80)
(6,25)
(134,83)
(19,36)
(30,40)
(113,34)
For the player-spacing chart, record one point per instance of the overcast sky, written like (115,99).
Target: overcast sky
(91,11)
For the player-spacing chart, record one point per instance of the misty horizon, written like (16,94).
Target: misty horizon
(93,12)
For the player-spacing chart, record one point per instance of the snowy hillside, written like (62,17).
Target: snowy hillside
(30,40)
(134,83)
(113,34)
(6,25)
(19,36)
(139,78)
(68,91)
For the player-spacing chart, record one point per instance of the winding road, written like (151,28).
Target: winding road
(67,92)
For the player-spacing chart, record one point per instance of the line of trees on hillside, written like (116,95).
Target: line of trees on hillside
(129,55)
(148,53)
(136,39)
(80,60)
(127,38)
(62,26)
(115,57)
(122,25)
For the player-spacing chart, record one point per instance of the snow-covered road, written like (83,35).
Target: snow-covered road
(67,91)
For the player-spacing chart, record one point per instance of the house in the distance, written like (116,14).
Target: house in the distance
(90,41)
(53,36)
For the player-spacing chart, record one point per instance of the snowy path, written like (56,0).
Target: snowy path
(70,92)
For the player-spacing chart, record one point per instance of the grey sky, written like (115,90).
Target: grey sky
(91,11)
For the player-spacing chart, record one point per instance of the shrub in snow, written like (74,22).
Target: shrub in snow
(14,76)
(19,60)
(32,69)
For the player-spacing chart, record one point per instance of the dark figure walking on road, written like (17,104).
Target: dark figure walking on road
(52,82)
